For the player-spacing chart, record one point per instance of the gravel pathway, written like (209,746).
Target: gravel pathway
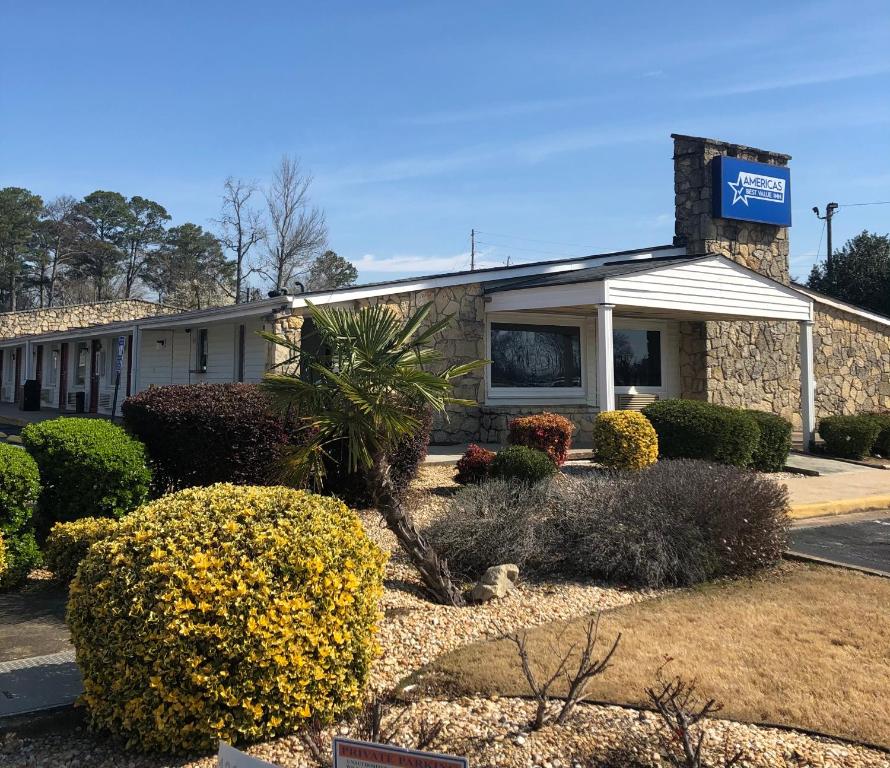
(491,731)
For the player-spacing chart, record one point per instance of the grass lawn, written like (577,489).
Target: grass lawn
(809,646)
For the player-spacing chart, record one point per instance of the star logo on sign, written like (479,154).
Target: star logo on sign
(738,191)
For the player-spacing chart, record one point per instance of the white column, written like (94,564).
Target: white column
(134,356)
(807,384)
(605,359)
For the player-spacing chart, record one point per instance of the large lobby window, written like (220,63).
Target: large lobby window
(525,356)
(637,358)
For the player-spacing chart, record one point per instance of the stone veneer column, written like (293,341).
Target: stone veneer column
(282,323)
(762,247)
(749,364)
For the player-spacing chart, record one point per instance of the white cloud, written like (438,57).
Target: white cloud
(406,264)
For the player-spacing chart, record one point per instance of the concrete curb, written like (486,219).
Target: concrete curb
(840,506)
(802,557)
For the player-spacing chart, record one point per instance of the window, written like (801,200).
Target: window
(81,363)
(535,355)
(637,356)
(201,358)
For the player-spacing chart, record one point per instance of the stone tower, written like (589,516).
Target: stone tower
(762,247)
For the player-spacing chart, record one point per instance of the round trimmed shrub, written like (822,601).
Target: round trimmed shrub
(474,465)
(201,434)
(229,612)
(547,432)
(22,556)
(624,440)
(68,544)
(694,429)
(516,462)
(19,488)
(849,437)
(774,444)
(89,468)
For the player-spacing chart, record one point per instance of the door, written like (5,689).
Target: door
(63,376)
(38,367)
(94,375)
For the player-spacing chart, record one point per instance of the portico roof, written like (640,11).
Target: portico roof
(706,286)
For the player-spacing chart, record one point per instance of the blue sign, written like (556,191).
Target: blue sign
(751,191)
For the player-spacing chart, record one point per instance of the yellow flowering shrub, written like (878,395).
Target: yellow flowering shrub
(227,612)
(624,440)
(68,543)
(3,565)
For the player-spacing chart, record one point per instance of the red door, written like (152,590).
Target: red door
(63,376)
(17,384)
(94,376)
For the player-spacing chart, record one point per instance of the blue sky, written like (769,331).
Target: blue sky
(421,120)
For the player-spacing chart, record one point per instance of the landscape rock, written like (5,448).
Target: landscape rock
(496,582)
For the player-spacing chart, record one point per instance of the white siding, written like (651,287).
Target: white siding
(155,361)
(255,349)
(713,287)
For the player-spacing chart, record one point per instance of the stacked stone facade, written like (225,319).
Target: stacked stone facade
(47,320)
(757,364)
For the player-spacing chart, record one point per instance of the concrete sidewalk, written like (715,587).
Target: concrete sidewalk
(38,683)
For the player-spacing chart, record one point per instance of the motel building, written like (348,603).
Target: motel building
(712,315)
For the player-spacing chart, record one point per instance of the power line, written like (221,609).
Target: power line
(857,205)
(535,240)
(529,250)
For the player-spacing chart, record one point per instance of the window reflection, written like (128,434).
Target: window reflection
(535,355)
(637,357)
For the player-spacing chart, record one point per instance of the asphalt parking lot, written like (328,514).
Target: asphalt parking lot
(861,543)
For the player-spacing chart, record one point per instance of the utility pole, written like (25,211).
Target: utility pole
(830,210)
(472,250)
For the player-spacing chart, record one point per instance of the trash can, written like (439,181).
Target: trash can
(31,395)
(80,402)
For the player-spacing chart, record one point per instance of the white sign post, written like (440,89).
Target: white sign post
(229,757)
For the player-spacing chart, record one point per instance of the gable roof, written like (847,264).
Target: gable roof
(591,274)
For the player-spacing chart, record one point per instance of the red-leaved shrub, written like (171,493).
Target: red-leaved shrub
(474,465)
(547,432)
(201,434)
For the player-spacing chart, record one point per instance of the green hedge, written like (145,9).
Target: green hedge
(517,462)
(694,429)
(850,437)
(89,468)
(19,488)
(774,444)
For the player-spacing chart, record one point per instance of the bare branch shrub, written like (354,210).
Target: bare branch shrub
(681,710)
(377,721)
(576,677)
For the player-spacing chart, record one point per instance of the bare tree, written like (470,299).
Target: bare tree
(297,231)
(58,241)
(240,228)
(576,678)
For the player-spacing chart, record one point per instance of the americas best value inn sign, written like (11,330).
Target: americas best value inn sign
(751,191)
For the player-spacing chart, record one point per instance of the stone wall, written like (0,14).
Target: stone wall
(494,420)
(852,363)
(31,321)
(756,365)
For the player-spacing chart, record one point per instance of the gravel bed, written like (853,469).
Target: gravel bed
(491,731)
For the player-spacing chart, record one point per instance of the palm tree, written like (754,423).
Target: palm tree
(358,390)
